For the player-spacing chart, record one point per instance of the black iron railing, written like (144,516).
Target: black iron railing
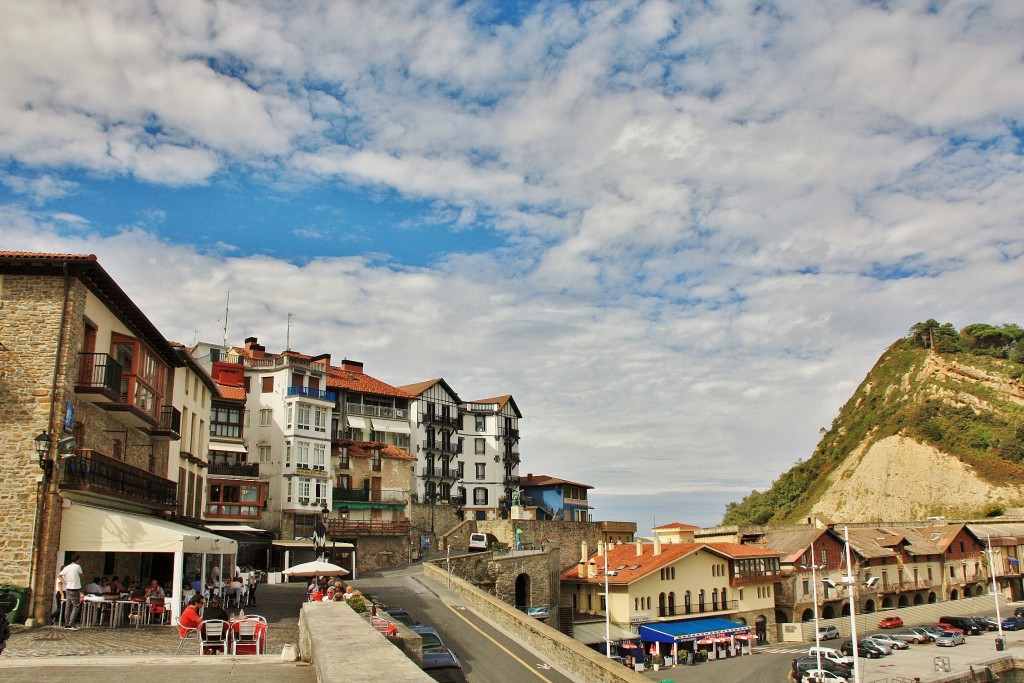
(99,371)
(91,471)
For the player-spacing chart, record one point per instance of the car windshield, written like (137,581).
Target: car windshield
(431,640)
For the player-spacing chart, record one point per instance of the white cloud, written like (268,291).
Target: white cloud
(695,200)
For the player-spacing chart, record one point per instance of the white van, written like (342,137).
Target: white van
(478,543)
(831,654)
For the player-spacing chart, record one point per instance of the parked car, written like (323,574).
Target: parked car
(985,623)
(915,635)
(822,676)
(1013,623)
(431,639)
(882,645)
(401,616)
(830,654)
(965,624)
(1019,612)
(537,612)
(479,543)
(804,664)
(827,633)
(941,626)
(950,639)
(443,667)
(891,622)
(865,648)
(891,640)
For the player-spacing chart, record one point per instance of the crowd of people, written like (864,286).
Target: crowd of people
(325,589)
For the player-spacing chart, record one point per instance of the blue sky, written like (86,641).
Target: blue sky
(679,233)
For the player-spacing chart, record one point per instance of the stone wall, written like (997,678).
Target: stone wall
(566,537)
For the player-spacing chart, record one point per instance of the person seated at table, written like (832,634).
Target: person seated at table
(197,584)
(93,587)
(116,586)
(339,596)
(215,610)
(329,597)
(235,589)
(155,590)
(105,582)
(191,617)
(349,593)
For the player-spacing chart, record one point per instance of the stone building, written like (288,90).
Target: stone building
(86,395)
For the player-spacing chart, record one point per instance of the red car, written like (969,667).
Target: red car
(891,622)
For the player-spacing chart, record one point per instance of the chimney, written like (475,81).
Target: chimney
(601,548)
(254,348)
(657,545)
(639,547)
(529,477)
(323,361)
(581,569)
(352,366)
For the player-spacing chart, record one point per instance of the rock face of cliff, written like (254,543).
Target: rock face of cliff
(924,434)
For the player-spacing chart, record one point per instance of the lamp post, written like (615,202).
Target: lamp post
(43,442)
(850,585)
(343,512)
(814,586)
(325,513)
(607,608)
(995,593)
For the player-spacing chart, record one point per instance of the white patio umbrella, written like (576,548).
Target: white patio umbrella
(315,568)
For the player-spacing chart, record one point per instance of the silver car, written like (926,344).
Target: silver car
(915,635)
(891,640)
(883,645)
(950,639)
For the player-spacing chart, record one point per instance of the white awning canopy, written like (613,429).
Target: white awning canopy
(228,446)
(282,543)
(234,527)
(356,421)
(390,426)
(89,529)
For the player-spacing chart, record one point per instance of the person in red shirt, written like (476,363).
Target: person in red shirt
(190,617)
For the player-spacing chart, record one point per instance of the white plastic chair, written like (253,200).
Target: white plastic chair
(191,633)
(248,635)
(213,635)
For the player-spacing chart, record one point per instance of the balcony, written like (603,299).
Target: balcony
(511,459)
(336,528)
(307,392)
(169,428)
(376,411)
(385,496)
(511,480)
(512,434)
(449,449)
(236,469)
(99,377)
(443,421)
(100,476)
(439,473)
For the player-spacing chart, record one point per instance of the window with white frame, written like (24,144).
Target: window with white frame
(302,413)
(288,490)
(287,453)
(320,420)
(288,411)
(479,447)
(264,453)
(480,496)
(266,417)
(302,454)
(320,489)
(319,456)
(303,488)
(481,471)
(481,423)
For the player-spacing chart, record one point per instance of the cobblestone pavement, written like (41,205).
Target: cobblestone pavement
(280,605)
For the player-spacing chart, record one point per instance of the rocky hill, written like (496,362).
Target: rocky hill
(936,428)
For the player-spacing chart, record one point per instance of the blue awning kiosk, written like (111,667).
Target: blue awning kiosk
(729,638)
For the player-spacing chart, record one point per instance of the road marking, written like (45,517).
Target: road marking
(502,647)
(542,665)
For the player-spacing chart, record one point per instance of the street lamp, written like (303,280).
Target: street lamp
(325,513)
(849,581)
(1000,643)
(343,512)
(814,586)
(43,442)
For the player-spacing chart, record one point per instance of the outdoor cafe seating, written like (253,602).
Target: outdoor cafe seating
(246,635)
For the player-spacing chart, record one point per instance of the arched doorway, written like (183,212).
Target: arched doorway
(931,597)
(523,591)
(846,609)
(807,615)
(761,628)
(967,591)
(741,620)
(918,599)
(954,595)
(781,617)
(903,601)
(828,612)
(887,603)
(869,607)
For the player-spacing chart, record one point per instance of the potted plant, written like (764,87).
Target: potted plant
(657,661)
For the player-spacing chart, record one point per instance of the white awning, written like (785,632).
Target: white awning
(281,543)
(89,529)
(234,527)
(592,633)
(228,446)
(356,421)
(390,426)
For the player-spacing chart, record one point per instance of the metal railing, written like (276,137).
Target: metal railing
(235,469)
(440,447)
(376,411)
(100,371)
(438,473)
(388,496)
(347,527)
(170,420)
(92,471)
(308,392)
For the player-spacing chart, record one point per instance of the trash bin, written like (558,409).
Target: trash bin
(14,601)
(1000,644)
(689,658)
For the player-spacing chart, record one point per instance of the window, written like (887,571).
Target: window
(462,470)
(302,416)
(266,417)
(320,490)
(481,423)
(246,422)
(952,572)
(343,460)
(807,586)
(288,454)
(226,421)
(302,454)
(288,491)
(375,460)
(320,420)
(303,487)
(264,453)
(345,481)
(319,456)
(268,385)
(304,525)
(481,471)
(288,409)
(228,499)
(478,446)
(480,496)
(823,555)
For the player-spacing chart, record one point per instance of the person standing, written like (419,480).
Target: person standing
(71,577)
(58,598)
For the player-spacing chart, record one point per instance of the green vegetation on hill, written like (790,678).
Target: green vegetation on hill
(969,419)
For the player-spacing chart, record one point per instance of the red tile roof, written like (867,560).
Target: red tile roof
(676,525)
(635,566)
(545,480)
(338,378)
(231,392)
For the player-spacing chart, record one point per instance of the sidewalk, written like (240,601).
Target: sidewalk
(131,654)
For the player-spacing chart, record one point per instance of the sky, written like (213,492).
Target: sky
(677,233)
